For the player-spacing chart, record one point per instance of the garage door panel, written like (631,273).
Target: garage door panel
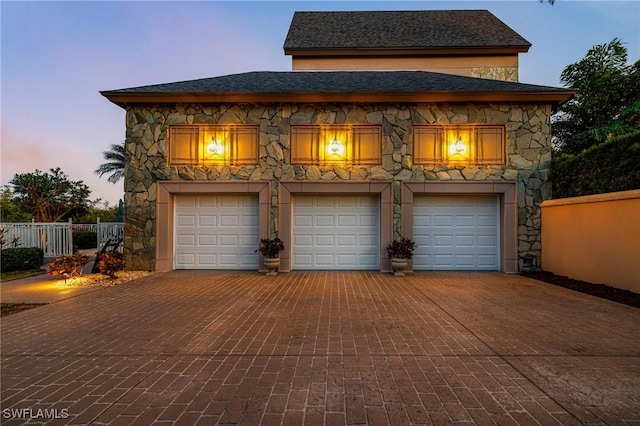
(186,240)
(368,241)
(303,240)
(229,221)
(488,241)
(249,221)
(325,240)
(465,221)
(487,260)
(207,240)
(346,260)
(443,241)
(229,260)
(344,235)
(368,221)
(225,236)
(440,221)
(348,221)
(325,202)
(464,261)
(303,261)
(186,201)
(186,220)
(368,260)
(229,240)
(187,259)
(208,259)
(456,232)
(346,202)
(324,259)
(206,220)
(300,221)
(326,221)
(464,240)
(347,240)
(443,260)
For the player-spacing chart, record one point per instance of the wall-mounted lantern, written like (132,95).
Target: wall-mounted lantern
(336,148)
(215,147)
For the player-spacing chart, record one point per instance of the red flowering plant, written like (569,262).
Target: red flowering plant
(111,262)
(65,267)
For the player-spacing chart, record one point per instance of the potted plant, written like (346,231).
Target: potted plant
(400,251)
(270,249)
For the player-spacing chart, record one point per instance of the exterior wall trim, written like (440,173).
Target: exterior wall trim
(165,204)
(508,211)
(288,189)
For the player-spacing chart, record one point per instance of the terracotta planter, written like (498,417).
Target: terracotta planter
(399,265)
(272,264)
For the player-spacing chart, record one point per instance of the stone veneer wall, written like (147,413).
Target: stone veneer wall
(529,157)
(496,73)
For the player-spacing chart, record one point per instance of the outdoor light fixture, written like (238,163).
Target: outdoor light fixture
(336,148)
(458,147)
(215,147)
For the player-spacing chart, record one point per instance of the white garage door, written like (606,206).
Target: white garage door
(456,232)
(335,232)
(216,232)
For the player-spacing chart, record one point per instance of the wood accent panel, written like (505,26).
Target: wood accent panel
(448,65)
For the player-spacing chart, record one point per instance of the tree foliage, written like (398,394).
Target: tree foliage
(10,212)
(606,105)
(99,209)
(114,164)
(51,196)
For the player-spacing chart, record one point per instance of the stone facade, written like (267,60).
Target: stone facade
(528,157)
(496,73)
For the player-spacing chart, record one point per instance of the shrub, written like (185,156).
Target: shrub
(111,262)
(609,167)
(21,258)
(68,266)
(85,240)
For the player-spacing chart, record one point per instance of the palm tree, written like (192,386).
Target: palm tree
(115,164)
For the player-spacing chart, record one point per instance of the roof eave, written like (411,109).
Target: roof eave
(554,97)
(401,51)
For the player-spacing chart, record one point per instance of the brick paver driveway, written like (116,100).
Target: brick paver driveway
(316,348)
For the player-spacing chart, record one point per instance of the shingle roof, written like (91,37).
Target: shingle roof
(426,29)
(335,82)
(338,86)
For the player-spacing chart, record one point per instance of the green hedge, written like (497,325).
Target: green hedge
(608,167)
(85,240)
(21,258)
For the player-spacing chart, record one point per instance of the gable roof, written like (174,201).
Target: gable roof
(339,86)
(426,30)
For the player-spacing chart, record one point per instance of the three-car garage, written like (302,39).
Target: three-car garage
(346,230)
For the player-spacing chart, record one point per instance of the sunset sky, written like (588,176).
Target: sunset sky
(57,56)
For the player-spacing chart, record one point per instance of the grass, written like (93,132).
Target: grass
(16,275)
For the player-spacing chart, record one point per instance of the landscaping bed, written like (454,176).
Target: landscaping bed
(599,290)
(14,308)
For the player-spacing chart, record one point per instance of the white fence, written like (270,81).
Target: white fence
(105,230)
(56,239)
